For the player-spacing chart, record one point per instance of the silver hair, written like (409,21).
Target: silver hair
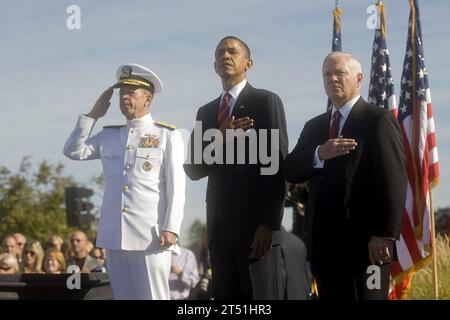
(352,62)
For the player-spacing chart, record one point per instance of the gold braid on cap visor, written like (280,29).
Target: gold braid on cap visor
(135,82)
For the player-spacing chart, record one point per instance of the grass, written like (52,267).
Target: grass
(422,282)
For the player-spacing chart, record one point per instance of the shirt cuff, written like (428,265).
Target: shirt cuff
(317,163)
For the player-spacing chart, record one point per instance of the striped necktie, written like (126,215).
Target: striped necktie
(224,110)
(334,130)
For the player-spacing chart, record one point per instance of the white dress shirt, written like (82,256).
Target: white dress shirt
(345,111)
(181,286)
(234,92)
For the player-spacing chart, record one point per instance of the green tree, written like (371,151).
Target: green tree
(196,231)
(442,221)
(33,203)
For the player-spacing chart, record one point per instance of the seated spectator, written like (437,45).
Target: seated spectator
(203,290)
(81,257)
(20,240)
(100,255)
(54,242)
(9,245)
(54,262)
(33,255)
(66,249)
(8,264)
(183,274)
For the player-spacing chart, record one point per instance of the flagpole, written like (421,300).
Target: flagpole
(433,249)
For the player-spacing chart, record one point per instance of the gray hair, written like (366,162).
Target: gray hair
(9,261)
(352,62)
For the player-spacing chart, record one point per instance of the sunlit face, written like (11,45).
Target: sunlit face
(134,102)
(340,82)
(51,265)
(79,242)
(10,246)
(97,253)
(55,244)
(231,60)
(20,240)
(29,257)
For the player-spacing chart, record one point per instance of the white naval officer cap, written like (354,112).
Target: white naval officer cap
(136,75)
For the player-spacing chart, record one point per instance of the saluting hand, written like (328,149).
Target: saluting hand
(167,239)
(101,106)
(335,148)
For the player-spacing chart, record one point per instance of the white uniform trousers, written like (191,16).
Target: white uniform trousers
(139,275)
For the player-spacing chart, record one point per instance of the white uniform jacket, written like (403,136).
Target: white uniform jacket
(144,180)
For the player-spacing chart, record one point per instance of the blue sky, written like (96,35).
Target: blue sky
(50,74)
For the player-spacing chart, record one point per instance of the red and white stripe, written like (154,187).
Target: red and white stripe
(423,173)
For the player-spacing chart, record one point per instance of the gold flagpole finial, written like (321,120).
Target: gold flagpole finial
(380,6)
(337,18)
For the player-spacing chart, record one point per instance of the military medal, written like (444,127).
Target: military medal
(149,141)
(147,166)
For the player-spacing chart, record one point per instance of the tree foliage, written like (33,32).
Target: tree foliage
(196,231)
(442,221)
(33,203)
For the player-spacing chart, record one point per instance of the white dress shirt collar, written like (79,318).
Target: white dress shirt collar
(236,90)
(345,109)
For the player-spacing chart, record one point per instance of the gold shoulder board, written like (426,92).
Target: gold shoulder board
(165,125)
(113,127)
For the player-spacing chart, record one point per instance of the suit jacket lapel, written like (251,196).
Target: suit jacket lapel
(352,130)
(351,126)
(324,128)
(213,115)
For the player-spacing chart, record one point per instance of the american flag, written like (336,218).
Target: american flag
(336,44)
(381,88)
(417,124)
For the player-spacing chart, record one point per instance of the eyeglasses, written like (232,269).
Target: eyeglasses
(30,252)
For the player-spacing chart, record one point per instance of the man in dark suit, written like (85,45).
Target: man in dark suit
(284,274)
(244,202)
(353,159)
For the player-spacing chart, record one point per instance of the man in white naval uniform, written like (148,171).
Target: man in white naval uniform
(143,201)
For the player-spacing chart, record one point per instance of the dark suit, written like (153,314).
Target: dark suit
(238,197)
(283,274)
(352,198)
